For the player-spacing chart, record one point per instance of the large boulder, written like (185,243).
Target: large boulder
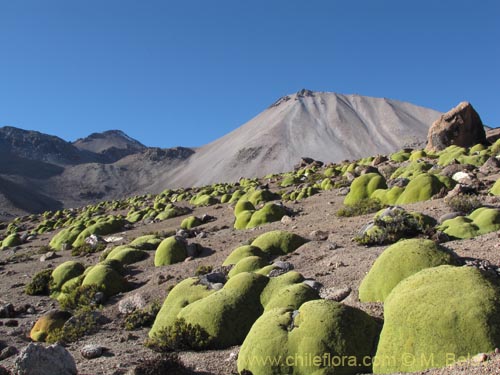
(461,126)
(35,359)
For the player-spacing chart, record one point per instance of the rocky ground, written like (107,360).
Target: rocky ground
(331,257)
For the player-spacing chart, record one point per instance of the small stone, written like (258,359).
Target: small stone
(30,310)
(129,304)
(92,240)
(286,220)
(47,256)
(217,286)
(188,259)
(7,352)
(183,233)
(335,294)
(463,178)
(283,265)
(232,357)
(378,160)
(343,191)
(449,216)
(201,235)
(7,311)
(99,298)
(481,357)
(318,235)
(113,239)
(91,351)
(313,284)
(193,250)
(332,245)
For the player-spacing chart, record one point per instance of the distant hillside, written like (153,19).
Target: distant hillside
(112,145)
(324,126)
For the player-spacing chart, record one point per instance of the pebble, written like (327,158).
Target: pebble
(91,351)
(7,311)
(313,284)
(335,294)
(481,357)
(318,235)
(47,256)
(7,352)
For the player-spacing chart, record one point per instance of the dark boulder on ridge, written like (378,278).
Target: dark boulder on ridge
(461,126)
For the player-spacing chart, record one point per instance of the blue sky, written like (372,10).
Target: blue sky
(187,72)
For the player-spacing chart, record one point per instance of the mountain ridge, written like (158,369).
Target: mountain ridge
(325,126)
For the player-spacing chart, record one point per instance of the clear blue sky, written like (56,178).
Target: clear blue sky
(187,72)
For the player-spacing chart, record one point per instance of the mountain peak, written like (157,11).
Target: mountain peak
(113,143)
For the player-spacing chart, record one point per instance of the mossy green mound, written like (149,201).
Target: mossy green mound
(203,200)
(411,170)
(47,324)
(105,226)
(127,255)
(247,217)
(242,219)
(243,252)
(278,242)
(147,242)
(287,291)
(400,156)
(243,205)
(64,272)
(248,264)
(183,294)
(417,154)
(398,262)
(290,180)
(388,196)
(437,316)
(260,196)
(191,222)
(106,279)
(423,187)
(10,241)
(227,314)
(171,250)
(363,186)
(481,221)
(392,224)
(322,337)
(169,212)
(450,154)
(271,212)
(66,236)
(495,189)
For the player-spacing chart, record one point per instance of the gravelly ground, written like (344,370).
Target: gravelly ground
(342,265)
